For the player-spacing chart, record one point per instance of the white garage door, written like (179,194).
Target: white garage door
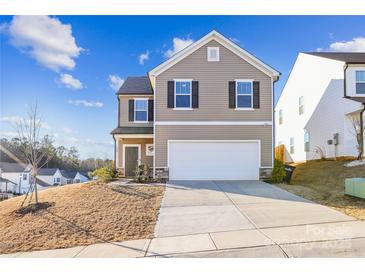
(214,160)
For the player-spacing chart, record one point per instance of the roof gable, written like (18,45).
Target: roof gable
(214,35)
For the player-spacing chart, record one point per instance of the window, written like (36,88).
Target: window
(25,176)
(182,94)
(244,94)
(280,117)
(140,110)
(291,145)
(213,54)
(360,82)
(58,180)
(301,105)
(306,141)
(77,180)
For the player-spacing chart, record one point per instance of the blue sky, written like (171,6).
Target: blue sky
(69,64)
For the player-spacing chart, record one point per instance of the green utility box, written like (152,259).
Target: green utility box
(355,187)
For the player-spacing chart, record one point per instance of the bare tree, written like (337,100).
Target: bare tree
(356,131)
(36,150)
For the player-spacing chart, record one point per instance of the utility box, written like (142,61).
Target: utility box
(355,187)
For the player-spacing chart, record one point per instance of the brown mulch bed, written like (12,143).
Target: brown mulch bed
(80,214)
(323,181)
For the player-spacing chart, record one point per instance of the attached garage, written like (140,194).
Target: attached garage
(214,160)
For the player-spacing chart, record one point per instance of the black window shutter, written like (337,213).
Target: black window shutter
(256,94)
(232,94)
(195,93)
(131,110)
(150,110)
(170,94)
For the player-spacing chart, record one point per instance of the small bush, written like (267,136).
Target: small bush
(104,174)
(143,173)
(278,172)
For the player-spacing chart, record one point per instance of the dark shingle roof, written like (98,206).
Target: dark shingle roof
(347,57)
(47,171)
(133,130)
(136,85)
(11,167)
(68,174)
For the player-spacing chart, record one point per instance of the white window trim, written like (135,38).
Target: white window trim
(150,154)
(359,82)
(139,153)
(244,81)
(306,133)
(210,59)
(134,113)
(191,94)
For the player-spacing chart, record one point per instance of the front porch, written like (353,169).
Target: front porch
(132,150)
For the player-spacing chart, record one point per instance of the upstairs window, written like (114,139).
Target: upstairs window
(306,141)
(291,145)
(213,54)
(25,176)
(182,94)
(301,105)
(280,117)
(244,94)
(360,82)
(140,110)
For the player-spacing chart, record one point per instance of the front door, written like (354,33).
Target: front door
(131,161)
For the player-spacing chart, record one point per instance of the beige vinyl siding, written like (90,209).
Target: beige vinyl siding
(213,80)
(124,112)
(144,159)
(165,133)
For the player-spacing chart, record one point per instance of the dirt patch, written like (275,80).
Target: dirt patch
(323,182)
(80,214)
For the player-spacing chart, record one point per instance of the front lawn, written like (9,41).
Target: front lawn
(80,214)
(322,181)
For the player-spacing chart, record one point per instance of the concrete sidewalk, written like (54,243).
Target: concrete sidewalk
(340,239)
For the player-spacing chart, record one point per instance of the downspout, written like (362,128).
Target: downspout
(361,154)
(273,119)
(344,80)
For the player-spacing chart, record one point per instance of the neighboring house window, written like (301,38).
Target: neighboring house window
(182,94)
(306,141)
(244,94)
(140,110)
(301,105)
(291,145)
(360,82)
(25,176)
(77,180)
(213,54)
(280,117)
(58,180)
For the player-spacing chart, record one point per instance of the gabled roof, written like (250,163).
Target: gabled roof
(136,85)
(47,171)
(347,57)
(214,35)
(11,167)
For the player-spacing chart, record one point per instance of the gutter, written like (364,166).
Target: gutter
(344,80)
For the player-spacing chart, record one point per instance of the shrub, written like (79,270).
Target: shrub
(278,172)
(104,174)
(143,173)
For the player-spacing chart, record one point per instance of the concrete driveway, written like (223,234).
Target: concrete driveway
(249,219)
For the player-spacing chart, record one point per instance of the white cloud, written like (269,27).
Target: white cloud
(143,57)
(85,103)
(178,44)
(355,45)
(67,130)
(115,82)
(45,39)
(9,134)
(17,119)
(70,82)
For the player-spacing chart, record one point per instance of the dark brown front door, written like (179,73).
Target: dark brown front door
(131,161)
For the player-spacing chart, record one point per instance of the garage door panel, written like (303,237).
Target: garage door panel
(214,160)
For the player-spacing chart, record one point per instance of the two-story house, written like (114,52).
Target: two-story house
(314,114)
(204,114)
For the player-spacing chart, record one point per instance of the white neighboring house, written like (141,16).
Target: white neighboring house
(16,178)
(312,108)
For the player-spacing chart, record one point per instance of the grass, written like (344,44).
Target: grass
(80,214)
(323,181)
